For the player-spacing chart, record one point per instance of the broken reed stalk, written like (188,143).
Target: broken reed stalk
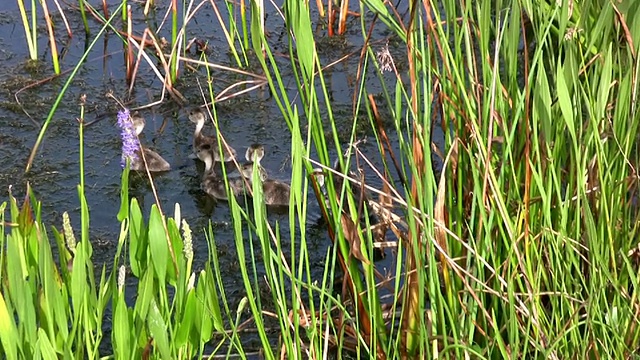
(344,8)
(173,70)
(125,6)
(128,51)
(410,326)
(243,18)
(30,31)
(105,9)
(52,38)
(64,18)
(320,6)
(331,17)
(83,13)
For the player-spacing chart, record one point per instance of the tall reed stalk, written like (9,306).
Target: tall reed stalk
(30,30)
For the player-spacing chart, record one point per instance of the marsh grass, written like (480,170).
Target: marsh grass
(523,245)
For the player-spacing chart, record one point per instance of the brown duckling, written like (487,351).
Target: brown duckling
(201,141)
(254,154)
(274,192)
(155,162)
(213,184)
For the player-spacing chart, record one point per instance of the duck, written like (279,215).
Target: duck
(155,162)
(360,197)
(253,155)
(274,192)
(338,181)
(214,185)
(210,143)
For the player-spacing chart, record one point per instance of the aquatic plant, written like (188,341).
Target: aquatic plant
(130,141)
(522,244)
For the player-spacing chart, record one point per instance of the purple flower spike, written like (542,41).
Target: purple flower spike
(130,142)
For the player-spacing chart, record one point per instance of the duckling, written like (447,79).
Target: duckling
(200,141)
(214,185)
(155,162)
(361,198)
(254,154)
(338,181)
(274,192)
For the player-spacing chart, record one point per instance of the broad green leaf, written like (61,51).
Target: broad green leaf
(177,244)
(55,308)
(203,324)
(542,101)
(44,345)
(78,281)
(121,329)
(8,332)
(185,325)
(158,244)
(146,291)
(300,23)
(20,294)
(604,87)
(158,330)
(564,101)
(137,242)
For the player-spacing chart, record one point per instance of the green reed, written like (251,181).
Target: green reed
(83,14)
(30,31)
(527,222)
(174,38)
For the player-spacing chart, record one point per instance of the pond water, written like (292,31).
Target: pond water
(246,119)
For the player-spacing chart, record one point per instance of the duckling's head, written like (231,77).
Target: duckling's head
(246,170)
(196,115)
(206,155)
(138,122)
(318,173)
(255,152)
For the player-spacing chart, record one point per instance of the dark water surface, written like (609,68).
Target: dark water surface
(248,118)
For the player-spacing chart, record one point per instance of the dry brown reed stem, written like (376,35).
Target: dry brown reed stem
(385,138)
(347,282)
(342,26)
(64,17)
(102,22)
(166,81)
(147,6)
(363,51)
(105,9)
(320,6)
(259,81)
(223,26)
(411,323)
(129,52)
(625,28)
(331,17)
(49,22)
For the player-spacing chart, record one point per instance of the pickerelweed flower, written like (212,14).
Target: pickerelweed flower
(130,142)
